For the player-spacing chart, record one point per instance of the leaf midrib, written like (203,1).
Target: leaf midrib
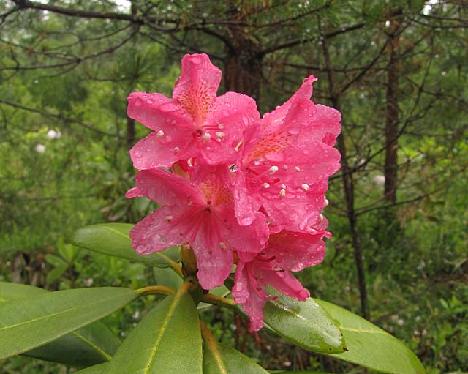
(170,313)
(163,256)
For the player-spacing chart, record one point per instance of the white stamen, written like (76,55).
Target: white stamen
(220,126)
(219,135)
(169,218)
(326,202)
(190,162)
(305,186)
(282,192)
(321,216)
(266,185)
(257,162)
(160,134)
(297,168)
(237,147)
(283,186)
(274,169)
(206,136)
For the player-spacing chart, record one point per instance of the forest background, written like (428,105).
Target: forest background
(395,69)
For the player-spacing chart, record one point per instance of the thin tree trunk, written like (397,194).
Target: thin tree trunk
(243,62)
(131,122)
(392,116)
(348,189)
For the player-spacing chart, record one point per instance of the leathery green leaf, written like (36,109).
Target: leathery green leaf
(96,369)
(370,346)
(29,323)
(86,346)
(112,239)
(167,340)
(220,359)
(304,324)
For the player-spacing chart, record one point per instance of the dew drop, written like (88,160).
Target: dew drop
(274,169)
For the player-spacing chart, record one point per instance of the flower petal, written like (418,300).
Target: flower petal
(152,152)
(229,116)
(168,189)
(162,229)
(248,293)
(295,251)
(157,112)
(214,260)
(196,87)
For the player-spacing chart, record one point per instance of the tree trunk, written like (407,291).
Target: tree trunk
(392,117)
(131,122)
(348,189)
(243,62)
(242,71)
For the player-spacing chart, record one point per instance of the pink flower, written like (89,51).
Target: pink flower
(200,212)
(286,161)
(194,123)
(285,252)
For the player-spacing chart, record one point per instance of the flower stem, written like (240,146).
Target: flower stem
(217,300)
(157,289)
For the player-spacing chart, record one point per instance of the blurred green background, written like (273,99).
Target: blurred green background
(395,69)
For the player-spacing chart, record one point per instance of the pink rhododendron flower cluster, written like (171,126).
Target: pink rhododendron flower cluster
(239,188)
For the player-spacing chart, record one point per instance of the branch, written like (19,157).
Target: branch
(55,116)
(26,4)
(328,35)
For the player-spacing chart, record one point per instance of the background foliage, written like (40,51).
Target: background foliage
(398,252)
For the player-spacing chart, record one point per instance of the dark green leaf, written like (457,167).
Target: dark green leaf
(167,277)
(88,345)
(167,340)
(112,239)
(220,359)
(370,346)
(96,369)
(305,324)
(32,322)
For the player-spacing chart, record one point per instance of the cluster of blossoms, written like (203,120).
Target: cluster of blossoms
(238,188)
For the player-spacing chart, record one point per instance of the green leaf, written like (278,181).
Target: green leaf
(221,291)
(370,346)
(89,345)
(304,324)
(220,359)
(167,340)
(112,239)
(60,267)
(296,372)
(96,369)
(167,277)
(32,322)
(86,346)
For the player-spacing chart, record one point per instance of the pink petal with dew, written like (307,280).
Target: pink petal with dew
(230,114)
(272,121)
(157,112)
(133,192)
(161,229)
(250,295)
(196,87)
(295,251)
(214,260)
(168,189)
(151,152)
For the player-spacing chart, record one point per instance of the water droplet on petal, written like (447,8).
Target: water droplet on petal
(274,169)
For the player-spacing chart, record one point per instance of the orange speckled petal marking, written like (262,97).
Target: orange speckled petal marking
(196,87)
